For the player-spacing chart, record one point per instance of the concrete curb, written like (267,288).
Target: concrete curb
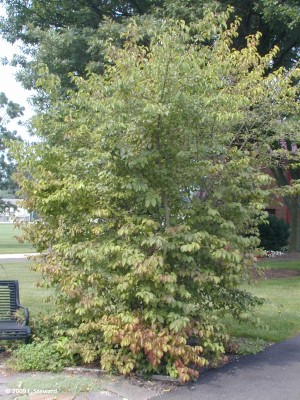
(158,378)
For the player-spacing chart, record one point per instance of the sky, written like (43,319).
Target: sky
(11,87)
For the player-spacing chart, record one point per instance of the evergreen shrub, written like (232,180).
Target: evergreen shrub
(274,234)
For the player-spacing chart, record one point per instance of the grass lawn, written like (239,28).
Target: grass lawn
(269,263)
(9,244)
(280,315)
(31,296)
(63,383)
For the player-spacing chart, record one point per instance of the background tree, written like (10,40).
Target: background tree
(278,22)
(61,34)
(8,111)
(150,195)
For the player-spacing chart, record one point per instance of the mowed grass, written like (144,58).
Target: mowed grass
(269,263)
(8,242)
(31,296)
(280,314)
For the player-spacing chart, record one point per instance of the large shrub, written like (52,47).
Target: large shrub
(148,184)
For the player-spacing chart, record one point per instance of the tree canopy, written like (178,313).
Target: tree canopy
(148,184)
(69,36)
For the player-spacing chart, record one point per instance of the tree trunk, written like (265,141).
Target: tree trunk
(293,204)
(294,209)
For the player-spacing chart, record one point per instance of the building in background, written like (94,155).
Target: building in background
(13,211)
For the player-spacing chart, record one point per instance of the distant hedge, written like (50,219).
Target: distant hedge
(274,234)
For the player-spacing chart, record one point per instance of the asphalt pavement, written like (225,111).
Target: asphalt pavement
(273,374)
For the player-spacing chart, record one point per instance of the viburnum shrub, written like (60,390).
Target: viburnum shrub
(148,186)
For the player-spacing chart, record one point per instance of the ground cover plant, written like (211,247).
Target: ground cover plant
(148,185)
(9,243)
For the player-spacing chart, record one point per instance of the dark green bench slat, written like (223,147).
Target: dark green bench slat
(13,330)
(10,328)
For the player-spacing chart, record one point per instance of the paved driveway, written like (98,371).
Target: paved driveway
(270,375)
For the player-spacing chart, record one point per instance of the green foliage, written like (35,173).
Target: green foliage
(8,111)
(274,234)
(38,356)
(69,36)
(147,183)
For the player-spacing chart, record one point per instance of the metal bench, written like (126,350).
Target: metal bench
(10,327)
